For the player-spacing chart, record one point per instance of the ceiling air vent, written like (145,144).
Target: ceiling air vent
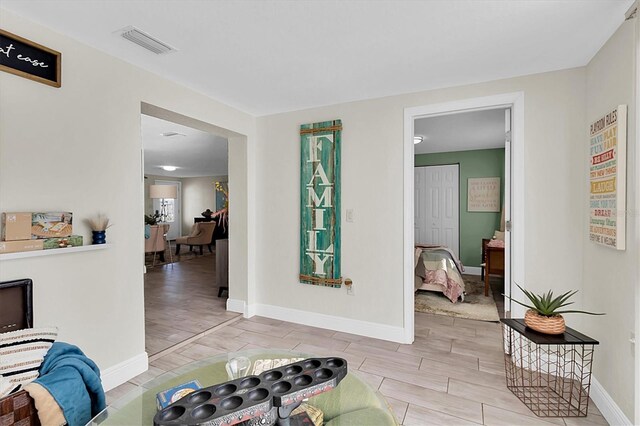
(146,41)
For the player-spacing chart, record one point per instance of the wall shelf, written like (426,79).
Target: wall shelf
(52,252)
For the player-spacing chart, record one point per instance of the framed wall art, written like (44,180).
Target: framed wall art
(31,60)
(320,203)
(483,194)
(607,178)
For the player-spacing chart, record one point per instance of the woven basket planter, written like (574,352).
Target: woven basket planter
(542,324)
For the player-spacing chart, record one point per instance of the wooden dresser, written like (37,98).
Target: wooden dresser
(494,265)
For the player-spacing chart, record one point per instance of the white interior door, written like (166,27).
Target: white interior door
(174,209)
(507,212)
(437,206)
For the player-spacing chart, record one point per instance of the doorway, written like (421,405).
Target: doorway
(514,196)
(182,291)
(437,206)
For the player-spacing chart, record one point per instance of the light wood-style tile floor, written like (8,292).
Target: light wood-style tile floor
(453,374)
(181,301)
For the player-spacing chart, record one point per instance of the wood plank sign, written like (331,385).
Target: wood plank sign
(30,60)
(483,194)
(607,178)
(320,203)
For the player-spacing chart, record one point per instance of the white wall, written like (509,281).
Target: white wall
(610,276)
(372,186)
(198,194)
(78,148)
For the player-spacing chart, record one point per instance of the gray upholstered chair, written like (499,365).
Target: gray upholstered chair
(201,235)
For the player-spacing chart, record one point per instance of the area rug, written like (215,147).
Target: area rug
(475,306)
(185,254)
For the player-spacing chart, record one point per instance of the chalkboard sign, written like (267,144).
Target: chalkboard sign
(30,60)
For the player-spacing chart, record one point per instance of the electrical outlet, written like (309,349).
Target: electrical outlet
(350,291)
(632,337)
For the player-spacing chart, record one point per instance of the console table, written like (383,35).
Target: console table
(550,374)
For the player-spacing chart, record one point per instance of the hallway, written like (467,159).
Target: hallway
(181,301)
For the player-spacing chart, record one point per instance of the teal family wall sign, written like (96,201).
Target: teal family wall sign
(320,203)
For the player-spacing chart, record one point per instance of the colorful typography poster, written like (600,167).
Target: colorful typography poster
(607,178)
(320,203)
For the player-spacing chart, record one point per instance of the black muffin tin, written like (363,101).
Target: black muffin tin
(255,397)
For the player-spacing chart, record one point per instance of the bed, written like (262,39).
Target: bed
(438,269)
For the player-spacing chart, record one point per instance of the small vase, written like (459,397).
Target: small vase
(543,324)
(99,237)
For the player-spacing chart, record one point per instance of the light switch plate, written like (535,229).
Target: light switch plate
(349,215)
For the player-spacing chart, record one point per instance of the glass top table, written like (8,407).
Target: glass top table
(352,402)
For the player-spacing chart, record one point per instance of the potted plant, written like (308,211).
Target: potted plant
(544,314)
(99,227)
(151,219)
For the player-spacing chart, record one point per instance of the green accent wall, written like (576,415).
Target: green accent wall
(474,226)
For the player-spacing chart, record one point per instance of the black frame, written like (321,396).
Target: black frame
(57,82)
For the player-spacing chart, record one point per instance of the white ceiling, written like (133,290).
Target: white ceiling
(461,132)
(195,154)
(268,56)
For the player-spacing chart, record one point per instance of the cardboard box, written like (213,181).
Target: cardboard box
(51,225)
(62,242)
(169,396)
(18,246)
(16,226)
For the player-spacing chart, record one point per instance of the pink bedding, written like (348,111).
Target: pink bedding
(448,250)
(450,288)
(438,272)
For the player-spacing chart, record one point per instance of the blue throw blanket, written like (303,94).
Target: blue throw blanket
(74,382)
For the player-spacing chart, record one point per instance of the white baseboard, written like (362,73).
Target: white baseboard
(473,270)
(347,325)
(123,371)
(607,406)
(235,305)
(251,311)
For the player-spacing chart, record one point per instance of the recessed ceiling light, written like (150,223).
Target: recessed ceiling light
(417,139)
(169,134)
(169,168)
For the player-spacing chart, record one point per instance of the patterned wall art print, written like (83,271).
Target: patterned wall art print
(483,194)
(607,178)
(320,203)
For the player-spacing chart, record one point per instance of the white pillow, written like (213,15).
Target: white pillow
(21,353)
